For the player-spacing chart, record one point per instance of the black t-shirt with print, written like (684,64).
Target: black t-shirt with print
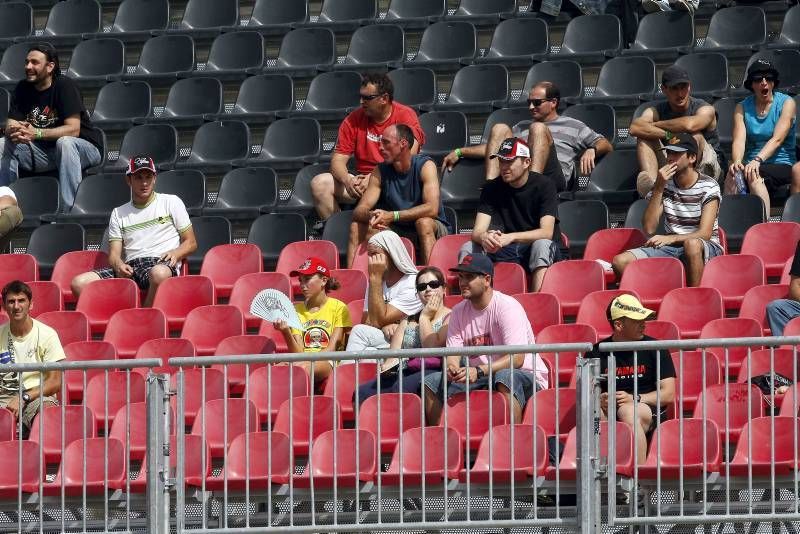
(49,108)
(646,361)
(794,270)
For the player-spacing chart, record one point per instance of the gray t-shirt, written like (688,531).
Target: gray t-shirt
(665,113)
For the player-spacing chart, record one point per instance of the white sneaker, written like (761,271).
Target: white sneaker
(651,6)
(685,5)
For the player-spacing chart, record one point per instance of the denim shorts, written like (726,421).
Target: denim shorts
(524,384)
(710,250)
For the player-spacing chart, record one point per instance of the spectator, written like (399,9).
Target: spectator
(324,319)
(763,137)
(360,135)
(148,237)
(48,127)
(391,294)
(428,328)
(10,216)
(572,139)
(517,218)
(679,113)
(651,6)
(403,193)
(690,201)
(649,390)
(781,311)
(28,341)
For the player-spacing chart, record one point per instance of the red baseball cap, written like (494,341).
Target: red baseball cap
(312,266)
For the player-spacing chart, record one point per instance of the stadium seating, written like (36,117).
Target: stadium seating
(210,231)
(662,329)
(39,195)
(509,453)
(17,20)
(223,264)
(255,461)
(663,35)
(428,455)
(517,41)
(241,345)
(342,458)
(690,308)
(756,299)
(729,406)
(89,467)
(472,416)
(233,54)
(708,72)
(164,348)
(219,421)
(766,448)
(414,86)
(542,310)
(268,387)
(733,275)
(591,38)
(342,382)
(69,325)
(120,102)
(580,220)
(207,326)
(178,295)
(19,468)
(571,280)
(773,242)
(736,30)
(101,299)
(390,416)
(652,278)
(477,89)
(415,13)
(51,241)
(106,393)
(375,47)
(445,45)
(737,214)
(731,358)
(194,383)
(694,371)
(217,144)
(128,329)
(305,418)
(552,410)
(683,449)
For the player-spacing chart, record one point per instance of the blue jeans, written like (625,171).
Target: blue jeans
(780,312)
(69,155)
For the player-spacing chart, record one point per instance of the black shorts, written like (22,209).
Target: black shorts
(141,270)
(775,175)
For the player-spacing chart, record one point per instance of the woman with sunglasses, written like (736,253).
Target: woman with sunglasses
(763,152)
(428,328)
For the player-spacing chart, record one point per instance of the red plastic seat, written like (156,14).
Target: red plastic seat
(294,254)
(392,423)
(792,328)
(773,242)
(542,309)
(214,421)
(733,275)
(270,386)
(268,331)
(565,333)
(444,255)
(132,420)
(128,329)
(356,309)
(689,377)
(21,267)
(270,462)
(754,304)
(360,258)
(194,382)
(652,278)
(571,280)
(207,326)
(502,460)
(594,306)
(347,377)
(754,452)
(112,392)
(101,299)
(104,466)
(249,285)
(223,264)
(340,458)
(303,419)
(8,425)
(683,448)
(472,422)
(443,457)
(553,410)
(195,470)
(690,308)
(733,400)
(662,330)
(606,243)
(178,295)
(47,296)
(731,327)
(79,424)
(164,348)
(12,478)
(353,285)
(763,361)
(71,264)
(242,345)
(509,278)
(567,467)
(71,326)
(85,351)
(786,277)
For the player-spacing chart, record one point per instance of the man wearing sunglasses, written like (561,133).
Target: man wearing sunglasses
(360,137)
(661,121)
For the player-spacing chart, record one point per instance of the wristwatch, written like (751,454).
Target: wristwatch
(480,374)
(26,398)
(638,398)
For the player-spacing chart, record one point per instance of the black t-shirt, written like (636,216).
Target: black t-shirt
(794,270)
(49,108)
(520,209)
(646,361)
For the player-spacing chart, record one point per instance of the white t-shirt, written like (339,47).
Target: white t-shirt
(402,295)
(7,192)
(149,231)
(40,345)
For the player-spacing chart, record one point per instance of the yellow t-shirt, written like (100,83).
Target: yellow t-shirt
(318,326)
(40,345)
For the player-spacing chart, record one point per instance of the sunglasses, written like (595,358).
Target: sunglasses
(369,97)
(758,77)
(536,102)
(433,284)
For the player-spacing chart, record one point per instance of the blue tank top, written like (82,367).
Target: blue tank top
(760,129)
(403,191)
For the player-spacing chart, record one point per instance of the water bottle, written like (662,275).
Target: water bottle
(741,186)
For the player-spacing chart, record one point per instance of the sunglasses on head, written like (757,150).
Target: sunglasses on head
(369,97)
(536,102)
(433,284)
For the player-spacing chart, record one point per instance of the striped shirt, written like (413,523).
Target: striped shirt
(683,207)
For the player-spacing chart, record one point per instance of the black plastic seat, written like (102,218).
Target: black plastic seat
(233,54)
(414,86)
(288,144)
(461,187)
(337,230)
(725,108)
(210,231)
(38,195)
(787,62)
(444,131)
(415,13)
(331,95)
(599,117)
(49,242)
(483,12)
(260,99)
(635,213)
(273,231)
(5,102)
(188,184)
(164,57)
(509,116)
(736,31)
(16,20)
(188,101)
(119,103)
(517,42)
(375,47)
(96,198)
(790,30)
(160,141)
(276,17)
(305,51)
(135,20)
(579,219)
(245,193)
(663,35)
(205,18)
(625,81)
(566,74)
(445,45)
(614,179)
(97,61)
(708,72)
(478,89)
(791,210)
(591,38)
(300,200)
(217,144)
(68,20)
(346,15)
(12,66)
(737,213)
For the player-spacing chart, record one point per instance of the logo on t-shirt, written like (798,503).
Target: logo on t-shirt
(375,138)
(483,340)
(42,118)
(315,338)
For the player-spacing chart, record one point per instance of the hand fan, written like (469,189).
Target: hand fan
(272,305)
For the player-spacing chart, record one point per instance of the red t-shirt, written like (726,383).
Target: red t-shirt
(361,137)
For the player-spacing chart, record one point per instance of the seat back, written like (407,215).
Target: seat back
(447,41)
(141,16)
(212,14)
(223,264)
(166,54)
(97,58)
(128,329)
(414,86)
(207,326)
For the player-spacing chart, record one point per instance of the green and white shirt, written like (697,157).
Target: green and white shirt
(149,230)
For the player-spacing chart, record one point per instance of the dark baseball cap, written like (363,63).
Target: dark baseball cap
(475,263)
(140,163)
(674,75)
(682,142)
(763,67)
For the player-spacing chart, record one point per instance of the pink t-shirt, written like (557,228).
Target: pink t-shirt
(502,322)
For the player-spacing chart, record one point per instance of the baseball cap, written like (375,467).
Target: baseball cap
(628,306)
(475,263)
(674,75)
(312,266)
(139,163)
(682,142)
(512,148)
(760,66)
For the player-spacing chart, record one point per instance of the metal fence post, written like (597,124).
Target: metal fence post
(158,480)
(589,470)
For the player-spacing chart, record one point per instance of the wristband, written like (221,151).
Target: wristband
(667,135)
(39,133)
(459,155)
(479,373)
(396,215)
(758,159)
